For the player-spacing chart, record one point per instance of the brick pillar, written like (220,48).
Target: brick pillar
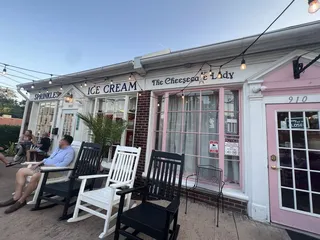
(141,131)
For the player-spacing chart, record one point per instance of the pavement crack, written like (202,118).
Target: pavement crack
(235,224)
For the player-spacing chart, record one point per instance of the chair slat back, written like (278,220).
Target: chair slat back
(124,165)
(88,160)
(165,175)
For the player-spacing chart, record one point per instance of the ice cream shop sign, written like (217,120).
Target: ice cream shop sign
(112,88)
(46,96)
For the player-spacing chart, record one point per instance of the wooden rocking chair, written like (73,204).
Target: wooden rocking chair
(121,175)
(165,169)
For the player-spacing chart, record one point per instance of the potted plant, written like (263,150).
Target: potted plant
(104,130)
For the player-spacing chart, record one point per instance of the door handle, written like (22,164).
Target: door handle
(274,168)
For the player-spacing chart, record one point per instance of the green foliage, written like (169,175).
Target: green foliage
(8,134)
(9,105)
(11,151)
(104,130)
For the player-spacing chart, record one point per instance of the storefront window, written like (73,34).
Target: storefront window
(121,107)
(45,118)
(190,125)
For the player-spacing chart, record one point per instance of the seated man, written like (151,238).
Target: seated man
(61,157)
(43,147)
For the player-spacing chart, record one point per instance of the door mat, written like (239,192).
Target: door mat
(299,236)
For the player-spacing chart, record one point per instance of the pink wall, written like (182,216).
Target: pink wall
(281,81)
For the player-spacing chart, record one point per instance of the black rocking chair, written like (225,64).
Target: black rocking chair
(87,163)
(213,175)
(149,218)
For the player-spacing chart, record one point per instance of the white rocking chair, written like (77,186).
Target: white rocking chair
(62,178)
(122,174)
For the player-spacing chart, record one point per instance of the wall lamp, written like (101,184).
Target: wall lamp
(298,67)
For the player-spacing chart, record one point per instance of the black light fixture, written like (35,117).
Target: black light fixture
(243,65)
(32,86)
(50,81)
(314,6)
(298,67)
(4,71)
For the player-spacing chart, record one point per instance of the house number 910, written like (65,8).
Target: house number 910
(298,99)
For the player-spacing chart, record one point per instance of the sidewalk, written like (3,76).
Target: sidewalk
(198,224)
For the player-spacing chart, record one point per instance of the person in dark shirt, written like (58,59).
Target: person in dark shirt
(42,147)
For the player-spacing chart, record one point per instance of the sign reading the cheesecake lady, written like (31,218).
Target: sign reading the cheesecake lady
(112,88)
(188,79)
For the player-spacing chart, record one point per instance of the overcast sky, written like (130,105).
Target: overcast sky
(68,36)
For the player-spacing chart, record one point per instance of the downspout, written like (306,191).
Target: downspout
(25,112)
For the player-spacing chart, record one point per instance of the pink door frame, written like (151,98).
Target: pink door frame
(280,215)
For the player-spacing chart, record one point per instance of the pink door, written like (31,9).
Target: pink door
(294,165)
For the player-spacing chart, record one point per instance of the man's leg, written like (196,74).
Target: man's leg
(21,176)
(3,159)
(20,182)
(29,189)
(32,185)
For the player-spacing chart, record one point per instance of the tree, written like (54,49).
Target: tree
(9,103)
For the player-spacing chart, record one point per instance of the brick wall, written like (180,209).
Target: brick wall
(140,140)
(141,130)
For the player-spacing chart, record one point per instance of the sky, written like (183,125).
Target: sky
(62,37)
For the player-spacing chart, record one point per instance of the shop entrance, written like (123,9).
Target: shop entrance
(294,165)
(68,122)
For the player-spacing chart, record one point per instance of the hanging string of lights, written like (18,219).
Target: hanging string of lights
(314,6)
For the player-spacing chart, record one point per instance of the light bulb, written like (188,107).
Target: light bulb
(50,81)
(210,72)
(47,90)
(140,94)
(130,77)
(111,82)
(182,96)
(61,88)
(201,75)
(219,74)
(32,86)
(158,104)
(243,64)
(4,71)
(85,84)
(81,85)
(314,6)
(6,92)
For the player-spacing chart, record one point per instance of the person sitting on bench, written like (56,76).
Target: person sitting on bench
(42,147)
(61,157)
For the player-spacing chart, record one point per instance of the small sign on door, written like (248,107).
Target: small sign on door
(213,146)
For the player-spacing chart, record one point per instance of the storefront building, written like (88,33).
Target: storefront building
(259,125)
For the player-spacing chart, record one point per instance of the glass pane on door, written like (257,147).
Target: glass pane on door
(67,124)
(299,160)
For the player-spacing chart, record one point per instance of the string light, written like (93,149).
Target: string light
(47,90)
(81,85)
(50,81)
(130,77)
(39,92)
(85,84)
(202,74)
(158,104)
(314,6)
(243,64)
(219,74)
(4,71)
(111,81)
(182,96)
(140,94)
(61,88)
(210,72)
(6,92)
(32,86)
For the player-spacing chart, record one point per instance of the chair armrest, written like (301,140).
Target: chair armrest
(173,206)
(191,175)
(94,176)
(55,169)
(131,190)
(29,163)
(121,184)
